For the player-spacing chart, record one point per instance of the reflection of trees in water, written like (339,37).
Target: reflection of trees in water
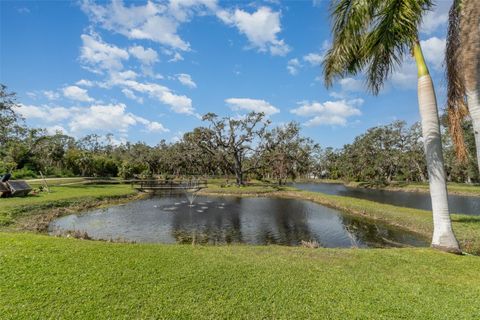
(375,234)
(189,226)
(275,221)
(278,222)
(206,236)
(287,224)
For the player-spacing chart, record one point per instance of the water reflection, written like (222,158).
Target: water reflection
(458,204)
(170,219)
(211,225)
(376,235)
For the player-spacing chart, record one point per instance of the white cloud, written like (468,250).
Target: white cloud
(97,53)
(110,117)
(434,51)
(314,59)
(126,80)
(151,21)
(246,104)
(150,126)
(156,126)
(129,94)
(406,76)
(160,22)
(182,10)
(351,85)
(146,56)
(47,114)
(293,65)
(177,103)
(186,80)
(176,57)
(32,94)
(51,95)
(260,27)
(347,85)
(56,129)
(85,83)
(95,118)
(329,112)
(436,18)
(120,76)
(77,93)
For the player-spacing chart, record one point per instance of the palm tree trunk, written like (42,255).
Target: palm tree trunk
(470,52)
(474,109)
(443,236)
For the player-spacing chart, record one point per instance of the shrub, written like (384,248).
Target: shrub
(23,173)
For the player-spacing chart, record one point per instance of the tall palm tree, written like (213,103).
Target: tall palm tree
(462,57)
(373,36)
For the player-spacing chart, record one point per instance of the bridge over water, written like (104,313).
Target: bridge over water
(158,185)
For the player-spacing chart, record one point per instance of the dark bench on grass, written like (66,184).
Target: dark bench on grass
(13,187)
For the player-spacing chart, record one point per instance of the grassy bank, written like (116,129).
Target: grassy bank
(254,189)
(453,188)
(45,277)
(79,196)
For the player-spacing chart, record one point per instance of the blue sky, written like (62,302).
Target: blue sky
(148,70)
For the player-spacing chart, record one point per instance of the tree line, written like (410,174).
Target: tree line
(395,152)
(237,148)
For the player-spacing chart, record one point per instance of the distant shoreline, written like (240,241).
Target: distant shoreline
(453,188)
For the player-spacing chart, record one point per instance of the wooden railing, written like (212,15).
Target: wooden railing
(168,184)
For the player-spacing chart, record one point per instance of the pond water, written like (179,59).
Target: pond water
(224,220)
(458,204)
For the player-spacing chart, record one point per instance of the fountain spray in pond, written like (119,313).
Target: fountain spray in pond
(191,188)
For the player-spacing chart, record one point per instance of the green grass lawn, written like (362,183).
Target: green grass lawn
(453,188)
(60,196)
(253,189)
(56,181)
(456,188)
(45,277)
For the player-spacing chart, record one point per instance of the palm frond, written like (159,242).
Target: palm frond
(393,33)
(351,20)
(373,35)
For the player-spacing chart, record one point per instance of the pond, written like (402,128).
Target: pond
(458,204)
(224,220)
